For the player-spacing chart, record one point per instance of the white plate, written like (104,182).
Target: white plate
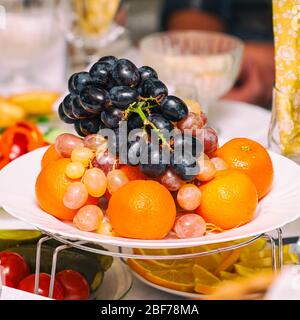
(230,117)
(17,196)
(188,295)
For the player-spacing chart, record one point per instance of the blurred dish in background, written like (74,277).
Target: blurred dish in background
(94,17)
(207,60)
(31,31)
(90,31)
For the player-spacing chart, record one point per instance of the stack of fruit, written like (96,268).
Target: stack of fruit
(144,188)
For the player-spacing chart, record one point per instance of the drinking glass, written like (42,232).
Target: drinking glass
(284,130)
(28,31)
(90,31)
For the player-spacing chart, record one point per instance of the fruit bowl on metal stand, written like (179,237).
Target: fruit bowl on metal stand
(279,207)
(124,279)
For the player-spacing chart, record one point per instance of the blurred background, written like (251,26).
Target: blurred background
(205,50)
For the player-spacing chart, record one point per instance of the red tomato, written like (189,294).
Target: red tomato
(27,284)
(75,285)
(14,268)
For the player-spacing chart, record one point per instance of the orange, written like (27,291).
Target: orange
(133,173)
(142,209)
(205,281)
(251,157)
(229,200)
(49,156)
(50,188)
(227,263)
(181,279)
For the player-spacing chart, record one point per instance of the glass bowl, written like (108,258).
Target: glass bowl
(116,284)
(208,61)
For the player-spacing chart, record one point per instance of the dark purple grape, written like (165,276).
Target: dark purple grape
(116,144)
(106,162)
(209,137)
(67,106)
(101,74)
(187,143)
(136,147)
(152,162)
(94,100)
(173,108)
(63,117)
(147,73)
(185,166)
(78,129)
(78,110)
(154,88)
(79,81)
(111,117)
(108,59)
(90,125)
(160,123)
(134,121)
(125,73)
(121,96)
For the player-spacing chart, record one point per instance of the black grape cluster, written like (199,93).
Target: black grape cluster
(116,90)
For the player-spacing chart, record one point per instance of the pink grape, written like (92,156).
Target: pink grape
(207,171)
(88,218)
(83,155)
(192,122)
(95,141)
(208,136)
(219,164)
(105,228)
(75,170)
(115,180)
(75,196)
(66,143)
(171,181)
(189,197)
(106,162)
(189,225)
(95,181)
(193,106)
(204,118)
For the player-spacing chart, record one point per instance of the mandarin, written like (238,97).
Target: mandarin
(49,156)
(50,188)
(142,209)
(229,200)
(253,159)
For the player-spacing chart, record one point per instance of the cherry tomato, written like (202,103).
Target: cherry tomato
(27,284)
(75,285)
(14,268)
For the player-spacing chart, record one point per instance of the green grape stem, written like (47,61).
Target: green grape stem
(139,108)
